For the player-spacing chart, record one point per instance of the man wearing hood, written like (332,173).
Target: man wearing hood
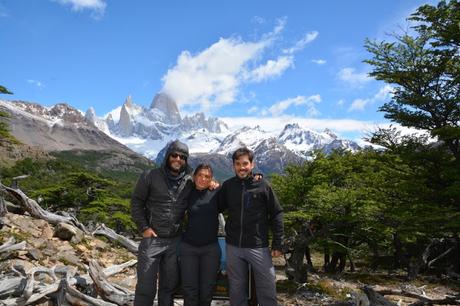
(157,206)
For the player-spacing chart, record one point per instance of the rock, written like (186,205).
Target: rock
(50,248)
(99,244)
(125,124)
(37,243)
(36,254)
(21,265)
(68,257)
(68,232)
(168,106)
(47,232)
(81,248)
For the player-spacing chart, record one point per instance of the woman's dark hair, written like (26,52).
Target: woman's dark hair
(201,167)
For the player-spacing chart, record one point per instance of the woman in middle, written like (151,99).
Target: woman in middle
(200,251)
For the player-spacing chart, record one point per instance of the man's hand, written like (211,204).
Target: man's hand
(258,176)
(214,185)
(276,253)
(149,233)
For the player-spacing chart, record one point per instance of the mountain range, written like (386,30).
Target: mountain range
(147,131)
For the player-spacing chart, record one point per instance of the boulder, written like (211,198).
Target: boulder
(68,232)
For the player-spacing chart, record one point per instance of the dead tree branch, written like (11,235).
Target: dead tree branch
(36,211)
(131,245)
(106,290)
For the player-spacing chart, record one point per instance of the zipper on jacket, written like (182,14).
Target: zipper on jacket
(243,189)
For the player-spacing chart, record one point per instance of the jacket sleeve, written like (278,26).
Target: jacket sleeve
(138,202)
(221,198)
(276,219)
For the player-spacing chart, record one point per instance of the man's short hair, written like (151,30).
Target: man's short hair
(241,152)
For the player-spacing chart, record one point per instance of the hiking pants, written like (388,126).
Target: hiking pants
(157,257)
(260,260)
(199,267)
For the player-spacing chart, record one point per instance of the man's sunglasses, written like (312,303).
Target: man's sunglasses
(176,155)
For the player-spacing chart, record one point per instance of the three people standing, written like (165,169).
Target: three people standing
(158,204)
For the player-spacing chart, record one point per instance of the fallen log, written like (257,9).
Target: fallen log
(118,268)
(12,302)
(75,297)
(448,300)
(10,246)
(36,211)
(375,298)
(108,291)
(3,210)
(12,286)
(103,230)
(24,289)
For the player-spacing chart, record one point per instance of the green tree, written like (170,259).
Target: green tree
(424,70)
(4,131)
(4,90)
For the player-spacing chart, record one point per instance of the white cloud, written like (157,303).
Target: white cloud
(358,104)
(319,61)
(36,83)
(278,108)
(340,102)
(253,110)
(96,6)
(258,20)
(308,38)
(384,93)
(272,68)
(355,79)
(211,78)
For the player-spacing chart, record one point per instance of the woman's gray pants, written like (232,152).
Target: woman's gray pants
(199,267)
(156,257)
(260,260)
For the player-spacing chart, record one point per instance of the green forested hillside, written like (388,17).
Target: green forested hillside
(76,182)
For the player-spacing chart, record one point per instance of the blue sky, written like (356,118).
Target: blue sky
(250,61)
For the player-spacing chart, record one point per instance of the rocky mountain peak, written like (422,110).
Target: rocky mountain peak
(32,108)
(330,133)
(67,113)
(168,106)
(129,102)
(199,121)
(90,115)
(125,126)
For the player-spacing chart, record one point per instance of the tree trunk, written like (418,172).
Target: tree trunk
(397,245)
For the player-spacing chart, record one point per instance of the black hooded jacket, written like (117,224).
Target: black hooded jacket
(159,199)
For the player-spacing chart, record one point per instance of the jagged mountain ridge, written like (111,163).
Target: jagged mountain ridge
(148,130)
(163,122)
(62,129)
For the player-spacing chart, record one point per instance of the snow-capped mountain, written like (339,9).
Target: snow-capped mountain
(148,130)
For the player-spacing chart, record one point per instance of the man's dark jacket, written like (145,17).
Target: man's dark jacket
(253,209)
(159,200)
